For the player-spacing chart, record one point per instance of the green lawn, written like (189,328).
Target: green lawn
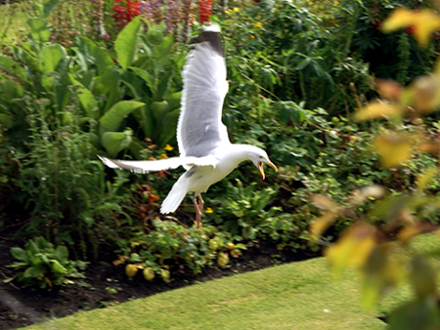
(302,295)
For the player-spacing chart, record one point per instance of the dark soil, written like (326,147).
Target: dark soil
(20,307)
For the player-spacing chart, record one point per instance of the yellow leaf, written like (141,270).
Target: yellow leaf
(429,146)
(406,233)
(320,224)
(324,202)
(353,248)
(388,89)
(425,22)
(425,177)
(393,149)
(425,93)
(377,110)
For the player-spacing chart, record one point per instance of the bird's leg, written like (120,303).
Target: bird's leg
(198,210)
(201,203)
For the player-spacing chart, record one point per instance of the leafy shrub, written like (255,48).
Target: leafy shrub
(168,245)
(395,55)
(41,265)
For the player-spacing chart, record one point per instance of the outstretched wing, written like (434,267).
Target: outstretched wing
(144,166)
(200,129)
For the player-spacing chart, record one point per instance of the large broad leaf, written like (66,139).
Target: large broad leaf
(145,75)
(127,43)
(34,271)
(7,64)
(86,98)
(49,6)
(114,142)
(163,51)
(10,90)
(7,121)
(164,84)
(135,84)
(109,85)
(169,126)
(19,253)
(89,52)
(421,314)
(50,56)
(62,253)
(111,120)
(62,92)
(39,30)
(57,268)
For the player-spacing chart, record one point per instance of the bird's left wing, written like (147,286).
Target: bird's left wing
(200,129)
(144,166)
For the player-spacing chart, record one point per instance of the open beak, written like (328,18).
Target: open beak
(260,168)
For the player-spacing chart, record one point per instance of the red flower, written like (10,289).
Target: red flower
(125,11)
(204,11)
(409,30)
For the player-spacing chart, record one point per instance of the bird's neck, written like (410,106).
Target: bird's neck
(237,153)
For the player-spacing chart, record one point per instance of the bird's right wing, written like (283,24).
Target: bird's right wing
(145,166)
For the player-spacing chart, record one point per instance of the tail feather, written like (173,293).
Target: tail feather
(174,198)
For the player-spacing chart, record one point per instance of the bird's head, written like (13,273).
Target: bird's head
(259,157)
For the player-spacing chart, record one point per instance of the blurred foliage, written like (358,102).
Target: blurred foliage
(379,243)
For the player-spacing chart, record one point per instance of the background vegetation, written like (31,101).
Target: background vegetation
(75,84)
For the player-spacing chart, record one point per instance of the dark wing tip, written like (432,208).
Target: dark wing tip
(213,38)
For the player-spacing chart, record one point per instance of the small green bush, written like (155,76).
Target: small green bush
(41,265)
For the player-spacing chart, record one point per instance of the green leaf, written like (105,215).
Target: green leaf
(57,268)
(50,56)
(164,84)
(49,6)
(111,120)
(10,90)
(114,142)
(86,98)
(7,121)
(7,64)
(163,51)
(34,271)
(416,315)
(169,126)
(19,253)
(159,109)
(145,75)
(61,253)
(38,29)
(127,42)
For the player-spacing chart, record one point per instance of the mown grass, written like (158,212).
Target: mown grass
(303,295)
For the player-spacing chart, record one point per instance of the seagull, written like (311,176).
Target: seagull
(205,150)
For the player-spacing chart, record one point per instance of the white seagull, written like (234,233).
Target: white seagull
(206,152)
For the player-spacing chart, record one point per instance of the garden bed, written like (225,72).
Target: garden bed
(20,307)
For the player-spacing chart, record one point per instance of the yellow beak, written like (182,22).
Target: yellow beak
(260,168)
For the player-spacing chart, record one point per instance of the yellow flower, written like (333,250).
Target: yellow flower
(335,3)
(259,24)
(209,210)
(168,147)
(236,9)
(322,154)
(163,156)
(229,11)
(252,37)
